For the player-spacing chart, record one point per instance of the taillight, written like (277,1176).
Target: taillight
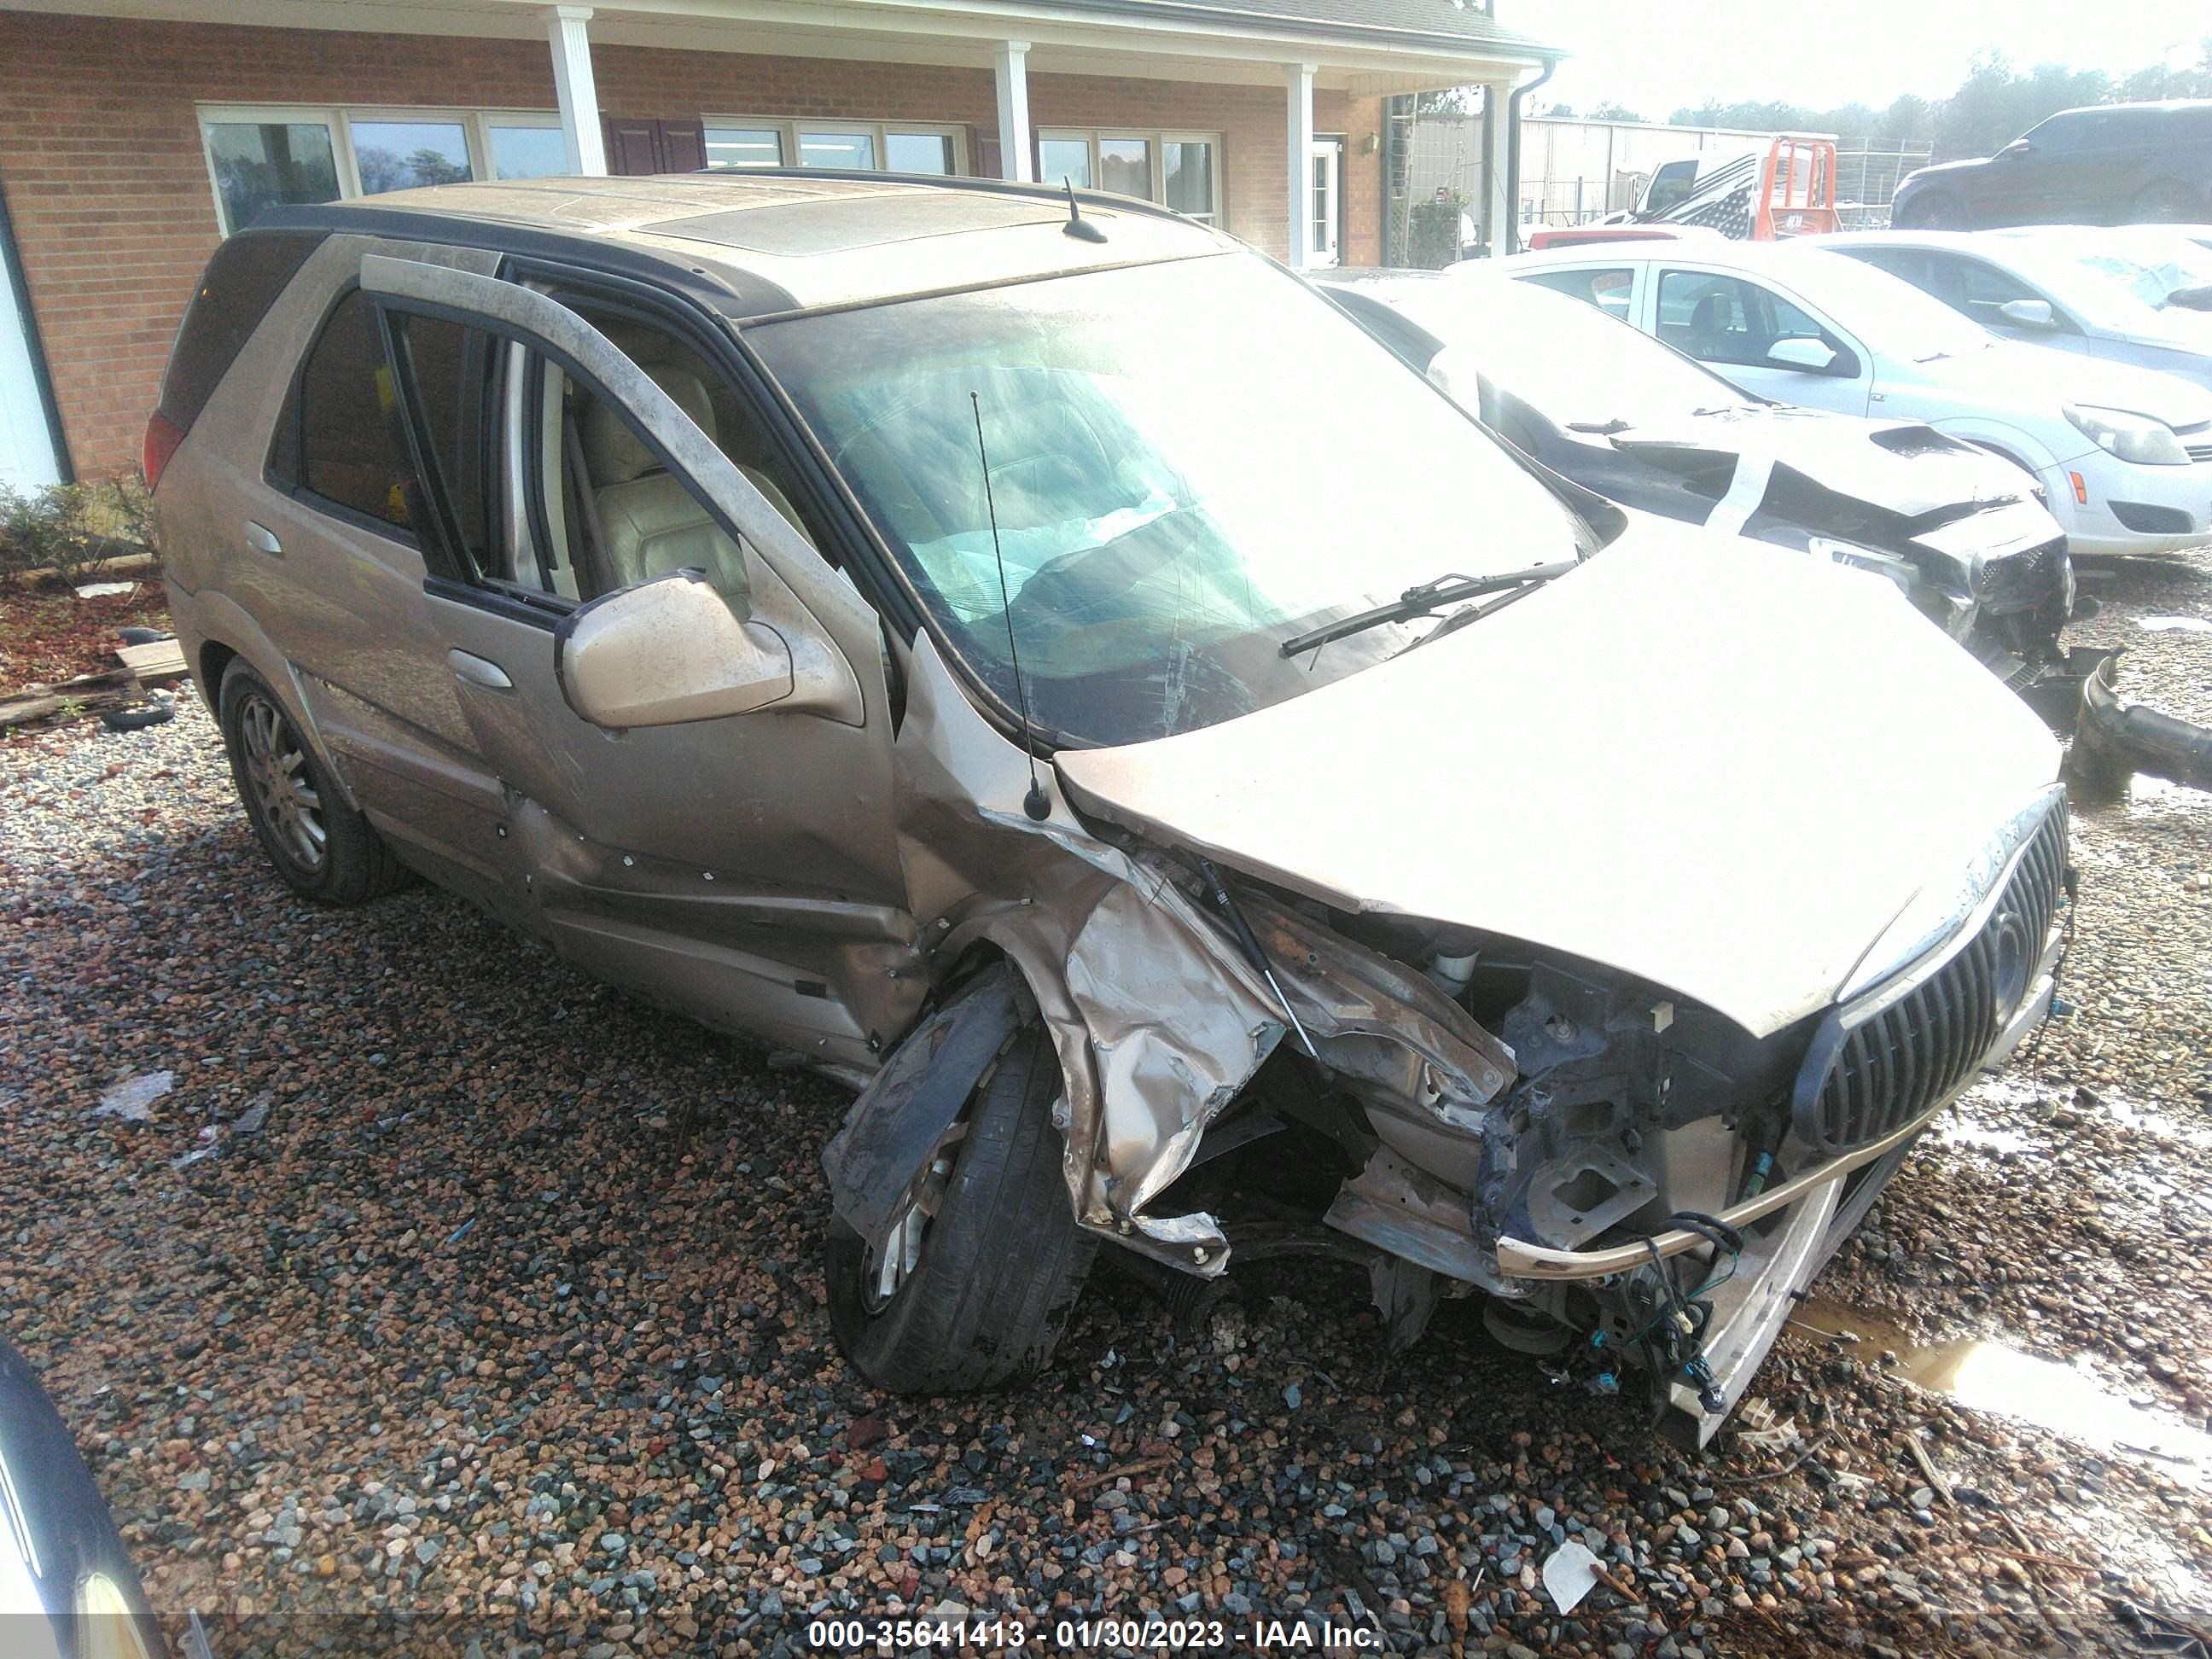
(162,437)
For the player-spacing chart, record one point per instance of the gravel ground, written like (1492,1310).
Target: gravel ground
(447,1297)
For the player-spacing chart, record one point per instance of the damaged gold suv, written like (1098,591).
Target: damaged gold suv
(963,636)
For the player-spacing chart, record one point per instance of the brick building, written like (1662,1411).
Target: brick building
(135,133)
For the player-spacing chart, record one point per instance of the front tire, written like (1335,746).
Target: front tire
(979,1276)
(319,847)
(2167,202)
(1933,209)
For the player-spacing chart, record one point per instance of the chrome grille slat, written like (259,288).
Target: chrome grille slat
(1909,1044)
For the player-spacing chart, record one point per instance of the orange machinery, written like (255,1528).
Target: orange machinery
(1791,192)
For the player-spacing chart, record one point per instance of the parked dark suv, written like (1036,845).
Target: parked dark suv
(2113,164)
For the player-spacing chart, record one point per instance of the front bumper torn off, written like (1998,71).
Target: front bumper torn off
(2113,738)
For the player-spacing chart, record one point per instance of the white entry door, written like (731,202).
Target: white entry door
(27,446)
(1326,167)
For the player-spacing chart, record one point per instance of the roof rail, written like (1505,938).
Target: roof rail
(1054,194)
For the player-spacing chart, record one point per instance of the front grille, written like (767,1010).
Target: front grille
(1908,1046)
(2199,452)
(2024,581)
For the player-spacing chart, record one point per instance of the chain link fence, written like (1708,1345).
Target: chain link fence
(1574,170)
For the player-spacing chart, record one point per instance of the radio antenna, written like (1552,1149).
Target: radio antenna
(1036,803)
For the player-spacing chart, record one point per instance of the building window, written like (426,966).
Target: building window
(851,146)
(256,163)
(260,158)
(1179,170)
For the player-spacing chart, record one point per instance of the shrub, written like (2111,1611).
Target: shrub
(74,529)
(1433,239)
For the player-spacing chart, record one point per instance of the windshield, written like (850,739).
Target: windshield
(1564,358)
(2121,280)
(1189,462)
(1897,318)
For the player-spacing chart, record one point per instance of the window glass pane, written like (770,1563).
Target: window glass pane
(837,150)
(1189,169)
(918,152)
(242,282)
(744,146)
(1142,423)
(1125,167)
(1609,290)
(1705,316)
(1065,159)
(261,163)
(453,368)
(351,450)
(528,152)
(402,155)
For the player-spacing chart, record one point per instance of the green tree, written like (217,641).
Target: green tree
(1609,111)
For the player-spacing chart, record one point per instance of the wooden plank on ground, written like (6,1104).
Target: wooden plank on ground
(164,659)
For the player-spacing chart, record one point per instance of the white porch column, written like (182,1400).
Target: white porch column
(1500,230)
(577,93)
(1012,73)
(1298,82)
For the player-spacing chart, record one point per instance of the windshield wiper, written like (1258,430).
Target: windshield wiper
(1423,599)
(1602,429)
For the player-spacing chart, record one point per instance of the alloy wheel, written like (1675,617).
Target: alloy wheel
(277,770)
(889,1267)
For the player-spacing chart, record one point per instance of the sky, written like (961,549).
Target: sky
(1656,59)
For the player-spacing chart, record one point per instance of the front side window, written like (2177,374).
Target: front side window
(350,447)
(1705,317)
(1168,507)
(544,490)
(1981,291)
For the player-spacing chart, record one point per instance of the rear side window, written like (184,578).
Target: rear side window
(455,373)
(240,284)
(347,443)
(1606,289)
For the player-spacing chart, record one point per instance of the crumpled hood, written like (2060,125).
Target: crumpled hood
(1725,772)
(2038,375)
(1904,467)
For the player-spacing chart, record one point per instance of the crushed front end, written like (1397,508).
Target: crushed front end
(1635,1182)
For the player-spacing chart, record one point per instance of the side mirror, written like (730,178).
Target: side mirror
(667,651)
(1816,356)
(2029,313)
(2018,148)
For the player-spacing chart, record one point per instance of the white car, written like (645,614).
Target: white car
(2135,293)
(2124,454)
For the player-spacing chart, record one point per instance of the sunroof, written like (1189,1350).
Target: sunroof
(795,229)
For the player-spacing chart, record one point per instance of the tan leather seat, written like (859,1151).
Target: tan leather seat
(651,522)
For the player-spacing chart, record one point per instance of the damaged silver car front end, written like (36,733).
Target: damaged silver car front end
(1635,1182)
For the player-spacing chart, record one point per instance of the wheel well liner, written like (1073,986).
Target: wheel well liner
(910,1104)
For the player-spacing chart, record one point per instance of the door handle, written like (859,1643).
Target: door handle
(262,539)
(478,671)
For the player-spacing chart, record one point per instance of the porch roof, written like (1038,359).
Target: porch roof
(1366,47)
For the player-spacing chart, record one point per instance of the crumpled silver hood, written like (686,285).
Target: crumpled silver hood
(1717,769)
